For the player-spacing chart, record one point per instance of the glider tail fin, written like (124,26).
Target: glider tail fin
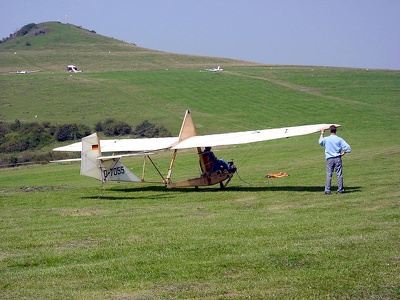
(102,168)
(90,166)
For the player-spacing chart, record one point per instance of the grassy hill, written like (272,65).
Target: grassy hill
(54,45)
(63,236)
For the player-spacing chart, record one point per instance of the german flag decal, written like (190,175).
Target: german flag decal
(95,147)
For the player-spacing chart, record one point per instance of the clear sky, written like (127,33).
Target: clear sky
(340,33)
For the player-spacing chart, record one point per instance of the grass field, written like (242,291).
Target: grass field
(63,236)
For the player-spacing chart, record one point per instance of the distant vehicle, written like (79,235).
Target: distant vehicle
(24,72)
(73,69)
(215,69)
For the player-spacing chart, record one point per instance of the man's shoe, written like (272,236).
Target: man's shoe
(327,193)
(340,192)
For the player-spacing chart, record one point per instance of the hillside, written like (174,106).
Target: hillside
(132,84)
(51,46)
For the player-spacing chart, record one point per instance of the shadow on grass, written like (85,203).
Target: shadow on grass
(162,192)
(316,189)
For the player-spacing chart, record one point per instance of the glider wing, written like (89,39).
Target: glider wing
(225,139)
(126,145)
(246,137)
(188,138)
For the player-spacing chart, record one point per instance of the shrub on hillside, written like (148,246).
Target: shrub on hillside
(13,142)
(112,127)
(18,137)
(15,126)
(24,30)
(36,134)
(149,130)
(69,132)
(98,127)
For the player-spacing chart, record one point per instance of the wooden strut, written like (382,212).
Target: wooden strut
(168,179)
(202,164)
(155,167)
(144,168)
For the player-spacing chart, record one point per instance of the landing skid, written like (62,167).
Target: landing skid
(207,180)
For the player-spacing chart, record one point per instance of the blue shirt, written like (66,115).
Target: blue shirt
(334,146)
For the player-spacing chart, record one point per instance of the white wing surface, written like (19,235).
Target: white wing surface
(246,137)
(225,139)
(75,147)
(188,138)
(127,145)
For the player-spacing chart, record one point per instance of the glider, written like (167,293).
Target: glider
(73,69)
(105,168)
(215,69)
(24,72)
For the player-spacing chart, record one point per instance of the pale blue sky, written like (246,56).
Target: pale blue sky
(341,33)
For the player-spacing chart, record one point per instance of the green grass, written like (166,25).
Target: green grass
(66,237)
(63,236)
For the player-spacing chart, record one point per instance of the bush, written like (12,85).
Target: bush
(149,130)
(13,142)
(111,127)
(24,30)
(36,134)
(98,127)
(69,132)
(16,126)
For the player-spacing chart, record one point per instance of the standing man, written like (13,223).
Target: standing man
(335,148)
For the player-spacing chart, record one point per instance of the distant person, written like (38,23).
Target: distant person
(335,148)
(215,163)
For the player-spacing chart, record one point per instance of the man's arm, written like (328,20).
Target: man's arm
(345,147)
(321,138)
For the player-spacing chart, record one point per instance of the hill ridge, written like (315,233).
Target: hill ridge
(53,45)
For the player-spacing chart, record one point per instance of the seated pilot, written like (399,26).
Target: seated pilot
(212,163)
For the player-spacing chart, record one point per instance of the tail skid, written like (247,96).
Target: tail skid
(103,168)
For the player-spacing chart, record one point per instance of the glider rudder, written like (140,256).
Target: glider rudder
(90,166)
(103,168)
